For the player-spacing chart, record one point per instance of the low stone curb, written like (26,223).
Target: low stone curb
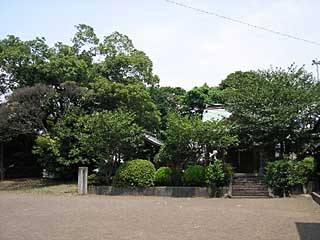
(158,191)
(316,197)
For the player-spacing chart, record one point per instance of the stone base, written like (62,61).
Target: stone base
(160,191)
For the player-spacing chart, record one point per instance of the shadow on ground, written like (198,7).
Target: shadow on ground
(308,231)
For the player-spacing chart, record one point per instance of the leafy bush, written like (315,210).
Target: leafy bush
(135,173)
(305,169)
(281,176)
(194,175)
(214,174)
(94,179)
(163,176)
(228,171)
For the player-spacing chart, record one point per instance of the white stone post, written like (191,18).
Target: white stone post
(83,180)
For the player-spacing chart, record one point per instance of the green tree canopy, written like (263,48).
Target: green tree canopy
(197,99)
(134,98)
(188,139)
(25,63)
(274,106)
(103,137)
(167,99)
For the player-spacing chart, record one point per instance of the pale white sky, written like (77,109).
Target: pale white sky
(186,47)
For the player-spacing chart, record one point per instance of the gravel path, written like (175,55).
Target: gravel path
(49,217)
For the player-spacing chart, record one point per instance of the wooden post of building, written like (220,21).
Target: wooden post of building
(83,180)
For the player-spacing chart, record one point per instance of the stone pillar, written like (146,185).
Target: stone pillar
(83,180)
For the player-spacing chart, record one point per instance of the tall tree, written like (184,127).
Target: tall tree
(100,138)
(197,99)
(274,106)
(22,117)
(167,99)
(123,63)
(189,139)
(134,98)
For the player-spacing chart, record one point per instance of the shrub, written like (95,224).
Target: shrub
(228,171)
(214,174)
(163,176)
(135,173)
(94,179)
(280,175)
(305,170)
(194,175)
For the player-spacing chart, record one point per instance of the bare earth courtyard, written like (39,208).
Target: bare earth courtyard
(43,216)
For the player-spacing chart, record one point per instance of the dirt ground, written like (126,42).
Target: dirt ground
(66,216)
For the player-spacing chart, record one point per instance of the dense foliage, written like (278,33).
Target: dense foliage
(214,174)
(189,139)
(280,176)
(198,98)
(273,107)
(135,173)
(194,175)
(283,174)
(163,177)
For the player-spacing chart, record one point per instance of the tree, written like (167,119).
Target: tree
(24,112)
(167,99)
(100,138)
(22,62)
(197,99)
(234,78)
(188,139)
(85,41)
(274,106)
(214,136)
(25,63)
(134,98)
(179,147)
(55,88)
(22,117)
(123,63)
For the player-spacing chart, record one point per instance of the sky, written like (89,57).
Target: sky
(187,48)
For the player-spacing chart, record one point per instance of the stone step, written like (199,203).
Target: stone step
(248,183)
(250,196)
(257,188)
(249,187)
(247,180)
(244,192)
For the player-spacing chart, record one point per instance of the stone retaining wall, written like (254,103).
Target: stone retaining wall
(160,191)
(308,188)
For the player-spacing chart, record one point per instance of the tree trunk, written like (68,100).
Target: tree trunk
(1,161)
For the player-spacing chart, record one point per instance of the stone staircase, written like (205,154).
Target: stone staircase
(248,186)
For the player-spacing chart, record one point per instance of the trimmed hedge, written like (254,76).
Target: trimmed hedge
(163,177)
(135,173)
(194,175)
